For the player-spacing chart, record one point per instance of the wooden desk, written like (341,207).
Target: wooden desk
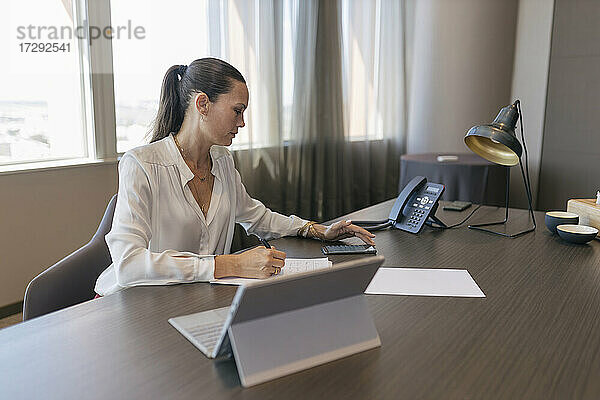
(535,336)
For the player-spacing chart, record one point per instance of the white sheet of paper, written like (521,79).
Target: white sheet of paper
(291,266)
(424,282)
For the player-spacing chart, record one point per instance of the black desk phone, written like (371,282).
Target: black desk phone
(416,205)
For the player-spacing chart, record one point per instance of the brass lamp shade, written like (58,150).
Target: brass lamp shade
(497,141)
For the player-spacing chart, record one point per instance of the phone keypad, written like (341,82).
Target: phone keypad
(415,218)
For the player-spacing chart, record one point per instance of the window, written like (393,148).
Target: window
(46,110)
(179,32)
(360,65)
(41,101)
(290,17)
(172,37)
(373,69)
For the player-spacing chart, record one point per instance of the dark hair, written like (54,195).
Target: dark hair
(209,75)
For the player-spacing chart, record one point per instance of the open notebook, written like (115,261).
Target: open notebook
(291,266)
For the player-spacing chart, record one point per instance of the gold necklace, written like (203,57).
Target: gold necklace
(203,206)
(183,154)
(193,187)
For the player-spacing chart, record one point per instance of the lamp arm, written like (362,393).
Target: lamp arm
(528,192)
(518,104)
(527,180)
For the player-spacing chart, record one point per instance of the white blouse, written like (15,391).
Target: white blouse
(159,234)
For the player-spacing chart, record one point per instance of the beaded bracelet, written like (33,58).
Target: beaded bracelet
(305,229)
(314,231)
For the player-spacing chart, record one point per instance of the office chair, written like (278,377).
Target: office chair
(71,280)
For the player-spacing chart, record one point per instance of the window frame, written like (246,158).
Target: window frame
(102,93)
(97,97)
(87,119)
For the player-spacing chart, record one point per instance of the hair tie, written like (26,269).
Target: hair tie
(181,70)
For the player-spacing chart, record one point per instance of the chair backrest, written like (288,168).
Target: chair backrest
(72,279)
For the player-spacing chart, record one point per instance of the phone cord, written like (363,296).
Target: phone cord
(459,223)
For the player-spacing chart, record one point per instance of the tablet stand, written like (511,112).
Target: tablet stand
(281,344)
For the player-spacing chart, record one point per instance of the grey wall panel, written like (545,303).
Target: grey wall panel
(462,70)
(568,179)
(530,85)
(577,23)
(573,105)
(571,147)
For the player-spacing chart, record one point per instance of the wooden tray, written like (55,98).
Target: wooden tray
(588,211)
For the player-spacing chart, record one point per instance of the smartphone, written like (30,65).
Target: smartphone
(457,206)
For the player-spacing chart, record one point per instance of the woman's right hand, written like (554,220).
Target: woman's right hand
(258,262)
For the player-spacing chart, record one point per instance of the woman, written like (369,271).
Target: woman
(180,196)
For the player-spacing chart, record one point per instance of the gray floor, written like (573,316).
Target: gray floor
(11,320)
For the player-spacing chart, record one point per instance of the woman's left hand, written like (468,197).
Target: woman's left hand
(344,230)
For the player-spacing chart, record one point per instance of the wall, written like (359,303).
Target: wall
(571,146)
(45,215)
(529,84)
(449,94)
(462,69)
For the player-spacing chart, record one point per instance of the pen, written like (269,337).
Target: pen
(268,246)
(264,242)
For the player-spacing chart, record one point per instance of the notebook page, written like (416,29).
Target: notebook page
(291,266)
(298,265)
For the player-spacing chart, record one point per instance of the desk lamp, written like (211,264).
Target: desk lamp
(498,143)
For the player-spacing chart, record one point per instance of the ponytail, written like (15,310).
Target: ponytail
(170,111)
(208,75)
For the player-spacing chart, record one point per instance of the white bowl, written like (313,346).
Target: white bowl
(576,233)
(555,218)
(562,214)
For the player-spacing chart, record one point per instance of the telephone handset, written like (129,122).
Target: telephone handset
(417,203)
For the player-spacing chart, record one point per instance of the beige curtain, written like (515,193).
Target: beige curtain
(336,146)
(374,95)
(318,165)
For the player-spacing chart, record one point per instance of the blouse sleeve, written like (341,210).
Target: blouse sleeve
(129,238)
(258,219)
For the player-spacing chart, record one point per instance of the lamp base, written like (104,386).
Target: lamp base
(480,227)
